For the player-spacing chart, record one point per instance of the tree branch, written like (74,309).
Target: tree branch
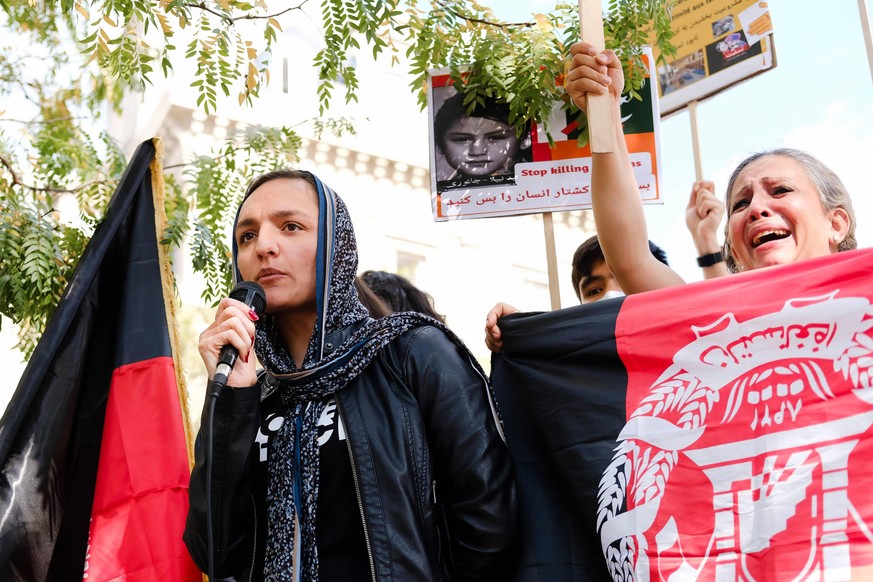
(232,20)
(16,181)
(66,190)
(41,121)
(15,178)
(58,190)
(486,22)
(250,17)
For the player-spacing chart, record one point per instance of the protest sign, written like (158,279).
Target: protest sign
(481,167)
(719,43)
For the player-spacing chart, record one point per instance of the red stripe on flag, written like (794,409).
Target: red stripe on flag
(141,496)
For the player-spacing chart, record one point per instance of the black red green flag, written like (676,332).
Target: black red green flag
(94,444)
(714,431)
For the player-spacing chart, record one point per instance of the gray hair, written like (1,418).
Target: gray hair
(830,188)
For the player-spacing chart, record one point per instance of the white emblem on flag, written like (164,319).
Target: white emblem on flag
(791,394)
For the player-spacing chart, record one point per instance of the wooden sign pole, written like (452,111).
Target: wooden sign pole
(865,27)
(551,260)
(601,131)
(601,125)
(695,141)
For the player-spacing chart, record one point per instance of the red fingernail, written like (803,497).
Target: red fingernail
(246,358)
(253,315)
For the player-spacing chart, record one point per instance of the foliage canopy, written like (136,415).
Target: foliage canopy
(62,62)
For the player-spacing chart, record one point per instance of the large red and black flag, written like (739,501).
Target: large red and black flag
(95,443)
(714,431)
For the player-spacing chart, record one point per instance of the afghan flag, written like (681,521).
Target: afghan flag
(720,430)
(95,443)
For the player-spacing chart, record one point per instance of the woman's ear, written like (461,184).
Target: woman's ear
(839,224)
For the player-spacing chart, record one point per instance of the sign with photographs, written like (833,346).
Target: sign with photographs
(719,43)
(481,168)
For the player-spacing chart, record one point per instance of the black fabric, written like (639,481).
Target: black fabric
(342,548)
(549,361)
(51,431)
(339,531)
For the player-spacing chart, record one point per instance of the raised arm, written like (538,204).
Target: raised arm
(618,211)
(703,217)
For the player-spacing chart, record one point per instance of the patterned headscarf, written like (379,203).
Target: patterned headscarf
(305,390)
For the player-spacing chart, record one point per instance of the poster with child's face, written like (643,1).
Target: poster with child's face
(474,148)
(482,167)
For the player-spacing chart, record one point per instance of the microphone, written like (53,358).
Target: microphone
(254,296)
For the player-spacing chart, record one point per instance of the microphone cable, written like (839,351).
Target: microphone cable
(254,296)
(210,539)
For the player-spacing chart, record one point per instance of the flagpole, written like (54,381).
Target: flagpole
(695,141)
(168,285)
(865,26)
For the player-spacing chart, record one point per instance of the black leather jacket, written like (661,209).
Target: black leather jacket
(432,472)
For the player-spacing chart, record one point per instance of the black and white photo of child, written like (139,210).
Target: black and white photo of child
(479,148)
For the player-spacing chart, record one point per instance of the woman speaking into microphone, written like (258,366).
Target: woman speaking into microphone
(365,449)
